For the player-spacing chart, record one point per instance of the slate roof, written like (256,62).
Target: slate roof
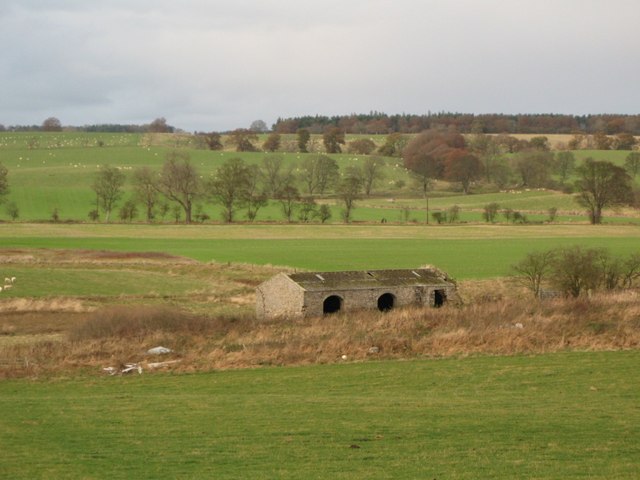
(356,280)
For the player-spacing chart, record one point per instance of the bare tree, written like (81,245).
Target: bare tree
(272,143)
(372,172)
(602,184)
(145,185)
(52,124)
(349,191)
(108,184)
(243,140)
(332,138)
(272,168)
(213,140)
(258,126)
(230,187)
(534,269)
(159,125)
(303,137)
(256,195)
(179,181)
(463,167)
(534,167)
(564,164)
(632,163)
(288,195)
(317,172)
(490,211)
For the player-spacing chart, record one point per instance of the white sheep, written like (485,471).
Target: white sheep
(8,287)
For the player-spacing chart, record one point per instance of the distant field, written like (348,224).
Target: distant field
(569,416)
(50,171)
(475,251)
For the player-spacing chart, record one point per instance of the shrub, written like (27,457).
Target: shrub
(362,146)
(454,214)
(490,212)
(439,217)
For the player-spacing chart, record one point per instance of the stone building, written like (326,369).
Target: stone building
(311,294)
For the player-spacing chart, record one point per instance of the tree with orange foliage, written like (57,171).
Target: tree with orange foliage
(462,166)
(425,155)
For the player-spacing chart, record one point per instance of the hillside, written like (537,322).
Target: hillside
(54,172)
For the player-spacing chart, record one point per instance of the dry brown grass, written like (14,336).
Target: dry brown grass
(215,328)
(62,304)
(495,324)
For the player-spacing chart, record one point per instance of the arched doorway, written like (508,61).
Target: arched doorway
(439,297)
(386,302)
(331,304)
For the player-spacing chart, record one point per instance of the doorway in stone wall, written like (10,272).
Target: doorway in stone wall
(439,297)
(386,302)
(331,304)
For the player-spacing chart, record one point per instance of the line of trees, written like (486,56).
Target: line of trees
(381,123)
(53,124)
(575,271)
(237,186)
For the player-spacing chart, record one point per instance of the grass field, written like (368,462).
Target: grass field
(474,251)
(50,171)
(553,416)
(560,415)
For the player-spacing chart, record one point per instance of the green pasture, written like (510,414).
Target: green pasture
(97,282)
(570,415)
(50,171)
(59,171)
(466,252)
(540,200)
(615,156)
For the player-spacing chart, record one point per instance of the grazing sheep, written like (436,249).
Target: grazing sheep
(8,287)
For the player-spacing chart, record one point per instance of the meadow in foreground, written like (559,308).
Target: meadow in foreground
(569,415)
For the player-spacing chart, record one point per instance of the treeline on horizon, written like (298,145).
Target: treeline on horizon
(381,123)
(52,124)
(378,123)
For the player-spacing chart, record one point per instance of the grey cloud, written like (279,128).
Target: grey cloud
(220,64)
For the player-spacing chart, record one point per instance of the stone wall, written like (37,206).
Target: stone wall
(359,299)
(283,297)
(279,297)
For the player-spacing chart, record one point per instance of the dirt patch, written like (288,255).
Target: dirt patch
(80,255)
(69,305)
(33,323)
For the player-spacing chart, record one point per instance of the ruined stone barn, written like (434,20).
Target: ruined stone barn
(312,294)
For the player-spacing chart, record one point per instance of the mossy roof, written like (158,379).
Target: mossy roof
(355,280)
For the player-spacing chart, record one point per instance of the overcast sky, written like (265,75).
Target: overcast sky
(219,65)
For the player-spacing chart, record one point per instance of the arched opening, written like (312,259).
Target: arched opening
(385,302)
(331,304)
(439,297)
